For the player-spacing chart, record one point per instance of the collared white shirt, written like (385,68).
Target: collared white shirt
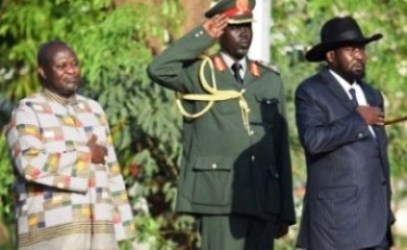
(229,62)
(360,96)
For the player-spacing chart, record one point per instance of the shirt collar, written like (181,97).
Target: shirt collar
(59,99)
(229,61)
(344,84)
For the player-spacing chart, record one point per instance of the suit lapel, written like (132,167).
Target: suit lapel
(374,101)
(370,97)
(339,93)
(380,139)
(336,89)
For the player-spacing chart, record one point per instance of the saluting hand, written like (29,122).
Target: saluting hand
(215,26)
(371,115)
(97,151)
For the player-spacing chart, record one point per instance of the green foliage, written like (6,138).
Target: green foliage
(6,179)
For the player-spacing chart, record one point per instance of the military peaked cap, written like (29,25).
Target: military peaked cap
(238,11)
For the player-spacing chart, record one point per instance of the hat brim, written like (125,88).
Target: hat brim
(240,21)
(317,53)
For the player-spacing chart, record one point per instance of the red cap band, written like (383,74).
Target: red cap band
(233,12)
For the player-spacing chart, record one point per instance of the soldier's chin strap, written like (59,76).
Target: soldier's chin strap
(214,95)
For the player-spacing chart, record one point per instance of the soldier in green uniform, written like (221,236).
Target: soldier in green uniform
(235,171)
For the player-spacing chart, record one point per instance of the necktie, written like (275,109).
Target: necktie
(354,99)
(355,104)
(236,67)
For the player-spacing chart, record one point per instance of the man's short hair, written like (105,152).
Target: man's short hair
(43,56)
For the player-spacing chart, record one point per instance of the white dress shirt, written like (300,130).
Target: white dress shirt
(229,62)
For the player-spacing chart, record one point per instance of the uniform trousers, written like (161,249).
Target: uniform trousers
(236,232)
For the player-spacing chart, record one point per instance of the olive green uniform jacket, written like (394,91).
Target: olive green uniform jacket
(225,167)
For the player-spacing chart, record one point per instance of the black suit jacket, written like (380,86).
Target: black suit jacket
(347,201)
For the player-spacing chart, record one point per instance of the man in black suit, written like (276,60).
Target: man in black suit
(340,123)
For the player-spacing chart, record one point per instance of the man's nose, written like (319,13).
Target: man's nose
(245,31)
(72,69)
(359,53)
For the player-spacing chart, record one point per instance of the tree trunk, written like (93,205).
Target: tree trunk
(194,15)
(194,10)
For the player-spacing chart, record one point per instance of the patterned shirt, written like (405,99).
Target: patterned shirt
(61,194)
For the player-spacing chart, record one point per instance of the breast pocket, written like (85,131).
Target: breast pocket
(268,108)
(212,181)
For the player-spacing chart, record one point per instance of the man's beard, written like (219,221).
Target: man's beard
(352,75)
(358,74)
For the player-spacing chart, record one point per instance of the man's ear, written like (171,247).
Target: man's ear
(41,73)
(330,56)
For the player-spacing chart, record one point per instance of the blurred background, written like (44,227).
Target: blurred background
(116,39)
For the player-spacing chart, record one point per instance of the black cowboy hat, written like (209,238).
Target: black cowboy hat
(337,32)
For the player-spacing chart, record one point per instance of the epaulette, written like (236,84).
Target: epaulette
(216,59)
(218,63)
(269,66)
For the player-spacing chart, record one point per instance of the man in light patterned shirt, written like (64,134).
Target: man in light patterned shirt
(71,194)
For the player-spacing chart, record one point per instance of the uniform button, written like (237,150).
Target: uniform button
(201,32)
(251,132)
(214,166)
(253,157)
(196,35)
(360,135)
(268,101)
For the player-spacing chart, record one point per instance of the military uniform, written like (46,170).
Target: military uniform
(236,155)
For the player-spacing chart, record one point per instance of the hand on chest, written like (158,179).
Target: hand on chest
(64,127)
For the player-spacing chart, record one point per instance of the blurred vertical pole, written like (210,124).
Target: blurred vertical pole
(260,48)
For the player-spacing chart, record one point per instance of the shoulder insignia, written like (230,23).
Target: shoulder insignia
(271,67)
(254,69)
(218,63)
